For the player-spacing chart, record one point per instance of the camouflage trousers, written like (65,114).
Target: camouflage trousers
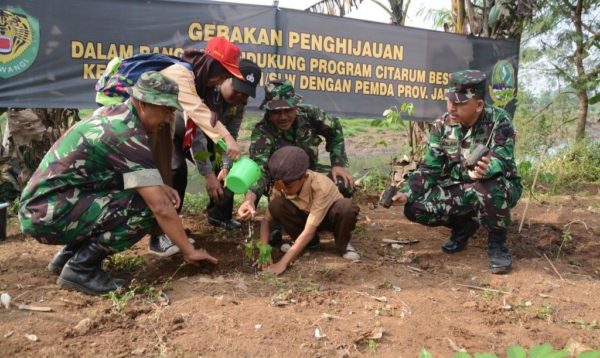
(117,221)
(490,200)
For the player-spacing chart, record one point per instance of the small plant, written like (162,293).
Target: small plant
(124,262)
(565,238)
(264,251)
(372,344)
(545,312)
(120,298)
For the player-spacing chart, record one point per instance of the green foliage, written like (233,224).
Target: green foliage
(461,355)
(120,298)
(566,170)
(195,203)
(264,251)
(425,354)
(372,344)
(557,46)
(271,279)
(124,262)
(572,166)
(438,17)
(515,351)
(544,350)
(393,117)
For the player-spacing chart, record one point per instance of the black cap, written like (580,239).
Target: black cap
(251,73)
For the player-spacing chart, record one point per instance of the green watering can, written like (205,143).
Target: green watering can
(243,173)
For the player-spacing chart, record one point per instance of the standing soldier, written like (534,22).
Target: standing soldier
(469,172)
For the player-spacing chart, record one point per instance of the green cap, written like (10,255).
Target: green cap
(154,88)
(279,94)
(466,84)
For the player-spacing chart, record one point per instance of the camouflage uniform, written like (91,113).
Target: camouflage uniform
(84,188)
(441,190)
(311,123)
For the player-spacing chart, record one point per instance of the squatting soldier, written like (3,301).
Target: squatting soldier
(98,191)
(287,121)
(447,190)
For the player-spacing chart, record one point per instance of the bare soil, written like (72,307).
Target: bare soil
(392,303)
(404,298)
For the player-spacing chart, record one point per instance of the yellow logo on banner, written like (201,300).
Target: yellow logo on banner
(19,41)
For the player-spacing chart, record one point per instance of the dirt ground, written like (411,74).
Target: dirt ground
(392,303)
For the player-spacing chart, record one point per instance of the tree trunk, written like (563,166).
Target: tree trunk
(582,114)
(581,85)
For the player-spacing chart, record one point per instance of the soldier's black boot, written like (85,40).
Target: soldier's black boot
(60,258)
(83,272)
(462,230)
(498,252)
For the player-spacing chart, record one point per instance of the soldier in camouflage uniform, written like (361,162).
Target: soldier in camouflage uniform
(97,191)
(444,190)
(289,122)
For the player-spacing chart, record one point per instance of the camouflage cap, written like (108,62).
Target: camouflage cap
(154,88)
(466,84)
(279,94)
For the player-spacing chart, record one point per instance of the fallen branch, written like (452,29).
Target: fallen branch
(485,289)
(35,308)
(553,267)
(567,225)
(401,242)
(537,172)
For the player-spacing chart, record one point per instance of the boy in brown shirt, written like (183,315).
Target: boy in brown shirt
(305,202)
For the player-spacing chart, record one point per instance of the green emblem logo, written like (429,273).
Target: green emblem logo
(502,86)
(19,41)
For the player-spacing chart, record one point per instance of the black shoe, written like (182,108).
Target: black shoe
(60,258)
(83,272)
(462,230)
(275,238)
(227,225)
(498,253)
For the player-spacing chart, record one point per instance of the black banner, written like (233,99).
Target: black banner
(52,52)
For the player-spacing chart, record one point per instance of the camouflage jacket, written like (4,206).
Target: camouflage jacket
(444,157)
(90,163)
(311,123)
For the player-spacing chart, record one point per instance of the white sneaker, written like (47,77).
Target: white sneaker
(351,253)
(162,246)
(285,247)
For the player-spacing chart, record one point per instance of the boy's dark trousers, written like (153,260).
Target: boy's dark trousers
(340,219)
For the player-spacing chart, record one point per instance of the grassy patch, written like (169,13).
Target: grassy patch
(304,284)
(567,170)
(125,262)
(271,279)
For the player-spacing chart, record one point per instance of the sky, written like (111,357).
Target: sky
(368,10)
